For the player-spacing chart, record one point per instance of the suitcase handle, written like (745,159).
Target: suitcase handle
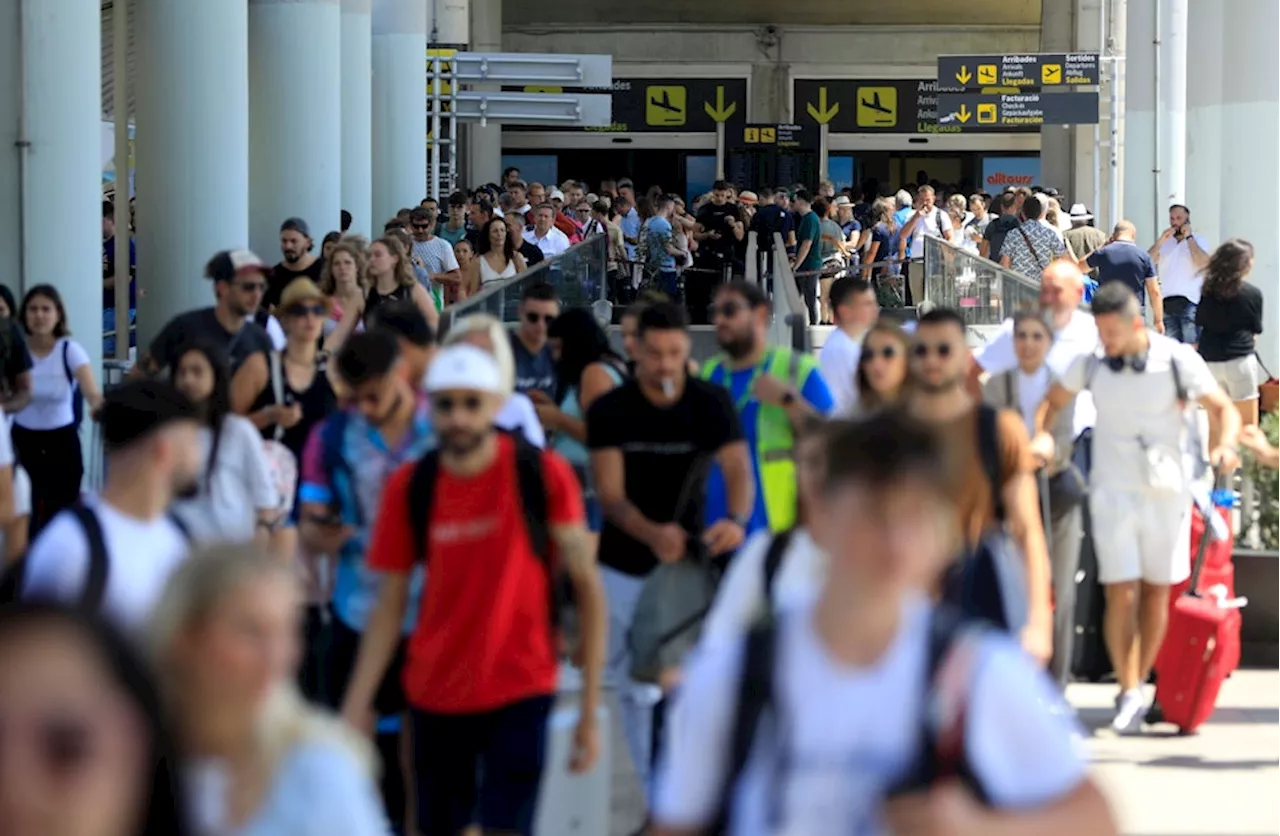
(1202,548)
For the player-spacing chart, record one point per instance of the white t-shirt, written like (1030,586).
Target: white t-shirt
(551,244)
(929,225)
(436,254)
(142,555)
(1079,338)
(851,733)
(518,416)
(226,508)
(838,363)
(50,406)
(6,441)
(1139,416)
(1031,391)
(740,598)
(1178,274)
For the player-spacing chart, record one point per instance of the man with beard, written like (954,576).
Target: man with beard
(939,364)
(296,246)
(482,670)
(149,432)
(775,390)
(345,465)
(238,283)
(650,440)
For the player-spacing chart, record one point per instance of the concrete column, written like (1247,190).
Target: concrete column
(60,59)
(192,149)
(1250,161)
(1114,96)
(769,93)
(357,116)
(1156,113)
(484,144)
(399,60)
(295,134)
(1057,143)
(1205,89)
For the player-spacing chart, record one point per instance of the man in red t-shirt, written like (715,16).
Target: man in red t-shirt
(481,669)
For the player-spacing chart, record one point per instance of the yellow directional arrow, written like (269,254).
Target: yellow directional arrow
(964,75)
(963,114)
(821,113)
(721,112)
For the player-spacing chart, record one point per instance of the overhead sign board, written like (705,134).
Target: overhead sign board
(669,105)
(1000,112)
(565,110)
(760,155)
(533,68)
(1026,69)
(872,106)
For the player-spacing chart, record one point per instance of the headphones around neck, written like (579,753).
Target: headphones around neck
(1137,362)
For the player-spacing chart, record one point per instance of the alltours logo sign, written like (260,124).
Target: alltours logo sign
(998,173)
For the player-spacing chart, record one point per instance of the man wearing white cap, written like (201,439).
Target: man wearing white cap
(1083,237)
(481,673)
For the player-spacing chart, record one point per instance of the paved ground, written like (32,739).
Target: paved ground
(1223,781)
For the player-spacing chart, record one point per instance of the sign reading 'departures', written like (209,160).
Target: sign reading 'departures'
(667,105)
(871,106)
(976,111)
(1025,69)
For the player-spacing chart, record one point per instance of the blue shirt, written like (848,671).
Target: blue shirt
(900,219)
(814,391)
(357,493)
(1124,261)
(534,371)
(658,231)
(630,225)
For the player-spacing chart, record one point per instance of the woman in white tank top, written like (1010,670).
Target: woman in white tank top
(497,259)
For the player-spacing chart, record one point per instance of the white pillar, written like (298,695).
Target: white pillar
(1171,103)
(1204,117)
(1140,205)
(484,144)
(295,139)
(62,43)
(1250,162)
(192,149)
(399,58)
(357,137)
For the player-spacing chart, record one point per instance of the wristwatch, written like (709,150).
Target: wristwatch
(788,398)
(742,520)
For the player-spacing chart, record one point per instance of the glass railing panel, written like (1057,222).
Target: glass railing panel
(983,292)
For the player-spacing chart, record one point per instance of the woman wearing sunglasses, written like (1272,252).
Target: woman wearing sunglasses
(84,744)
(882,378)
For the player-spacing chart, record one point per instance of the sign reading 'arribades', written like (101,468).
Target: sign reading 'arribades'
(900,106)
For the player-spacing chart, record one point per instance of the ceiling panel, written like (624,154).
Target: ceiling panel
(778,12)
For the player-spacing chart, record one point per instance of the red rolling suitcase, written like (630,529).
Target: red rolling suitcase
(1218,571)
(1200,648)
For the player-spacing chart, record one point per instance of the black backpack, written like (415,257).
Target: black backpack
(773,561)
(95,585)
(942,751)
(77,397)
(533,501)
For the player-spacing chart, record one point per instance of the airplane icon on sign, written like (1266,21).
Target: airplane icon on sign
(665,103)
(875,104)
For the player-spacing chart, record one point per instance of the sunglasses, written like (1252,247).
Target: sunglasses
(887,352)
(533,318)
(252,287)
(728,310)
(445,404)
(305,310)
(922,350)
(422,226)
(1033,336)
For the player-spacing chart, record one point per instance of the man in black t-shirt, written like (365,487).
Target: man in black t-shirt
(1000,226)
(239,279)
(652,440)
(15,366)
(296,246)
(719,228)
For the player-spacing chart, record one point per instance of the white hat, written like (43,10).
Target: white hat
(464,367)
(1079,213)
(556,194)
(843,200)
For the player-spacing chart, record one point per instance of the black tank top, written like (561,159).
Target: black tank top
(318,402)
(374,300)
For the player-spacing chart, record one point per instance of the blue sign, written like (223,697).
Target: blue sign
(999,173)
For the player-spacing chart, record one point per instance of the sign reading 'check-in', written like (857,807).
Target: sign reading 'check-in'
(1027,69)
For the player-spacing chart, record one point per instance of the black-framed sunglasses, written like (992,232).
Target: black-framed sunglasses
(923,350)
(885,352)
(252,287)
(306,310)
(533,318)
(728,310)
(445,404)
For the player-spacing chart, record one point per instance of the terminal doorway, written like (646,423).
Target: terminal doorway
(676,171)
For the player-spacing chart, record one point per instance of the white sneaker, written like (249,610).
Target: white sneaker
(1130,709)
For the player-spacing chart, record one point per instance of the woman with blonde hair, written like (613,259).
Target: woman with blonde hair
(259,760)
(487,333)
(343,280)
(389,277)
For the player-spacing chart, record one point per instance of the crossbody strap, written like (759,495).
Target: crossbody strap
(1034,254)
(277,387)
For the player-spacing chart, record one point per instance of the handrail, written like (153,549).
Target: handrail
(983,292)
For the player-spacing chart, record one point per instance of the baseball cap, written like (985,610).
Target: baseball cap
(556,194)
(137,408)
(297,225)
(228,264)
(464,367)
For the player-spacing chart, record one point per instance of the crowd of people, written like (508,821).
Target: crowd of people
(344,568)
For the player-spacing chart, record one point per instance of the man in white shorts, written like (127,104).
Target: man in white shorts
(1140,498)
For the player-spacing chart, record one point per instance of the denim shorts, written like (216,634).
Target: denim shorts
(483,768)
